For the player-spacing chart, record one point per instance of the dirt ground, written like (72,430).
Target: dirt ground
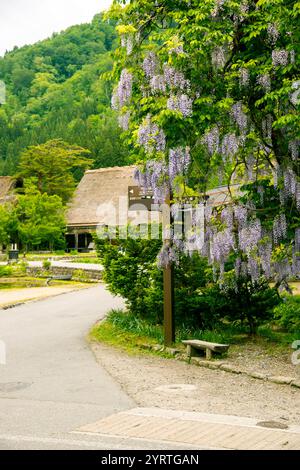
(212,391)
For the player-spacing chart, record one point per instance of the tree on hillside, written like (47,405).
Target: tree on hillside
(52,165)
(4,217)
(8,224)
(41,219)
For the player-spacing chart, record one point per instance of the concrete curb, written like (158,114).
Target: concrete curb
(224,366)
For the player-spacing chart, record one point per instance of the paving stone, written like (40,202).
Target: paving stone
(172,351)
(158,347)
(230,368)
(296,383)
(208,364)
(257,375)
(280,380)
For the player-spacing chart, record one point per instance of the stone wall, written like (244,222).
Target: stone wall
(77,274)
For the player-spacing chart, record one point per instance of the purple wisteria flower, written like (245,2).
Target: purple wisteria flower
(181,103)
(150,64)
(179,162)
(218,57)
(241,215)
(122,93)
(222,243)
(294,148)
(290,182)
(167,256)
(151,137)
(239,117)
(267,127)
(264,81)
(230,145)
(250,235)
(124,120)
(265,255)
(175,79)
(273,33)
(127,42)
(279,228)
(212,139)
(227,217)
(253,269)
(244,77)
(280,57)
(158,84)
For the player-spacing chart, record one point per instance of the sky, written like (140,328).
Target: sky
(28,21)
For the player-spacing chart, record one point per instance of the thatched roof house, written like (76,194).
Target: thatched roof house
(102,199)
(7,185)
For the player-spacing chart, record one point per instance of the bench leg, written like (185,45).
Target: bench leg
(208,354)
(193,352)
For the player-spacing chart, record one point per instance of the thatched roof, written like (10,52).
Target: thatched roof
(102,199)
(7,184)
(221,195)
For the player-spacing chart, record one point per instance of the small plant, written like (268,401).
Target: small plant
(46,264)
(5,271)
(80,275)
(23,267)
(73,252)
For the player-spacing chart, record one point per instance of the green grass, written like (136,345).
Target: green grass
(81,259)
(125,331)
(130,335)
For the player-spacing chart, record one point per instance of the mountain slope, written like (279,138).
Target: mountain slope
(55,90)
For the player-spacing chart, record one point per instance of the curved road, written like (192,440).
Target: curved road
(51,383)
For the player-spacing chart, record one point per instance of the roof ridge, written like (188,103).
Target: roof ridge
(111,168)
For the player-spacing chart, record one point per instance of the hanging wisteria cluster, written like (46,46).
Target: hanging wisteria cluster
(181,103)
(122,93)
(151,137)
(159,177)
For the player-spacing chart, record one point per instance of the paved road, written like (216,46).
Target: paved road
(51,384)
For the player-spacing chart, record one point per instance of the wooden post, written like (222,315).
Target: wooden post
(168,276)
(76,240)
(169,323)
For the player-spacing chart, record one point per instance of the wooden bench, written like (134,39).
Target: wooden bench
(193,345)
(66,277)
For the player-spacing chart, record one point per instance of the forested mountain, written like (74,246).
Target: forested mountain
(55,90)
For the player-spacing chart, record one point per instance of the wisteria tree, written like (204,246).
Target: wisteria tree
(209,94)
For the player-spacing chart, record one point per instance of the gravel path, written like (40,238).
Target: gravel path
(215,391)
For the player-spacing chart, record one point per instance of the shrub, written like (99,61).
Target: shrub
(249,303)
(60,252)
(5,271)
(287,314)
